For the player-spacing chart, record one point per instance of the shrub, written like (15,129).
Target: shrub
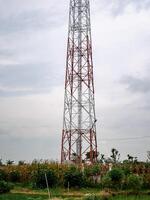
(96,170)
(73,177)
(5,187)
(134,182)
(113,179)
(107,182)
(146,181)
(14,176)
(39,179)
(116,175)
(2,175)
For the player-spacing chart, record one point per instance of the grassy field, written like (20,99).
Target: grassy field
(44,197)
(22,197)
(27,193)
(131,198)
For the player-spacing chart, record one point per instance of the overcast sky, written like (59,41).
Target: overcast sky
(33,36)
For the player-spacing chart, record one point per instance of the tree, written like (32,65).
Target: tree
(132,159)
(1,163)
(102,158)
(115,155)
(74,157)
(9,162)
(21,162)
(94,154)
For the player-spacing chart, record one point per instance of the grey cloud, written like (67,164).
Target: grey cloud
(27,78)
(117,7)
(17,148)
(4,52)
(29,21)
(137,85)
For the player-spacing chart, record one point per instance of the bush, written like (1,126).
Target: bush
(146,181)
(5,187)
(134,182)
(2,175)
(14,176)
(107,182)
(113,179)
(74,178)
(116,175)
(39,179)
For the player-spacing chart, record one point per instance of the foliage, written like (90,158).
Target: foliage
(73,177)
(21,162)
(93,170)
(5,187)
(3,175)
(115,155)
(1,162)
(9,162)
(101,159)
(39,178)
(14,176)
(132,159)
(89,175)
(113,179)
(116,175)
(134,182)
(146,181)
(92,154)
(107,182)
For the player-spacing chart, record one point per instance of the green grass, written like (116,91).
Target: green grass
(140,197)
(22,197)
(43,197)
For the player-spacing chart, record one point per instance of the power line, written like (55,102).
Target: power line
(123,139)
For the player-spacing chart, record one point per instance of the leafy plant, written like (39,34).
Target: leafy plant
(115,155)
(134,182)
(9,162)
(39,179)
(1,162)
(14,176)
(73,177)
(146,181)
(3,175)
(107,182)
(5,187)
(113,179)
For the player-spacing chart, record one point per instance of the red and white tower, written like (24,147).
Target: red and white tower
(79,143)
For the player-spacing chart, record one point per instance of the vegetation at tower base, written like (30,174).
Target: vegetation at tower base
(38,180)
(74,177)
(5,187)
(113,179)
(129,175)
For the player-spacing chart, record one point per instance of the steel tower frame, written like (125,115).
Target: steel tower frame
(79,141)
